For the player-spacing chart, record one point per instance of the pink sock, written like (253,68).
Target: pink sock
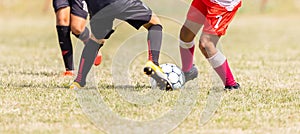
(220,64)
(187,55)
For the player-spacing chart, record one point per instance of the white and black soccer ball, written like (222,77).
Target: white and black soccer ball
(174,74)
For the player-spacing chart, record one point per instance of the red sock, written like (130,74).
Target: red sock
(187,55)
(225,74)
(220,64)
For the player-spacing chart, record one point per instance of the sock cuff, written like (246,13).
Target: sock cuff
(64,27)
(84,36)
(186,45)
(217,60)
(156,27)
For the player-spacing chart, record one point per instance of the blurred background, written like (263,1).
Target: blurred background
(44,7)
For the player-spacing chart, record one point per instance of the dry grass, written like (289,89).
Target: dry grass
(263,51)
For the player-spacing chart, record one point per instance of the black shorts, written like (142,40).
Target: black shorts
(76,8)
(134,12)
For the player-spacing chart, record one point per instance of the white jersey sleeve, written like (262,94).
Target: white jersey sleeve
(228,4)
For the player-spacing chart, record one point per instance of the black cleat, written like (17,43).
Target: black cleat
(229,88)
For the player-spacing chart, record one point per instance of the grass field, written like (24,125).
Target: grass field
(263,51)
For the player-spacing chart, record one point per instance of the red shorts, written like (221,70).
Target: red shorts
(214,17)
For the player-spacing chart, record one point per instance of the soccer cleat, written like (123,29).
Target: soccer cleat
(229,88)
(75,86)
(192,74)
(68,73)
(158,75)
(98,59)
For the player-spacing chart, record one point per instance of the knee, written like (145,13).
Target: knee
(76,29)
(186,35)
(63,17)
(184,32)
(204,48)
(201,46)
(203,43)
(207,44)
(154,20)
(83,35)
(207,41)
(186,45)
(156,27)
(62,21)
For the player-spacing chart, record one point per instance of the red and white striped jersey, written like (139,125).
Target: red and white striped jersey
(228,4)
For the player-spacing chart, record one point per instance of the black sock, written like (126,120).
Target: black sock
(88,56)
(65,44)
(154,42)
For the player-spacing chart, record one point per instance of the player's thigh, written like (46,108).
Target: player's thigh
(79,8)
(62,12)
(154,19)
(137,14)
(194,21)
(101,28)
(189,30)
(197,12)
(59,4)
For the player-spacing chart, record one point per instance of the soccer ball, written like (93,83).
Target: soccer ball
(174,75)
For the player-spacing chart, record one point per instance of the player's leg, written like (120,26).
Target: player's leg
(154,41)
(138,14)
(79,15)
(101,30)
(77,24)
(154,38)
(187,47)
(214,28)
(79,29)
(216,59)
(62,12)
(194,21)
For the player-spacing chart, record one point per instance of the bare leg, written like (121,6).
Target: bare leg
(187,46)
(216,59)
